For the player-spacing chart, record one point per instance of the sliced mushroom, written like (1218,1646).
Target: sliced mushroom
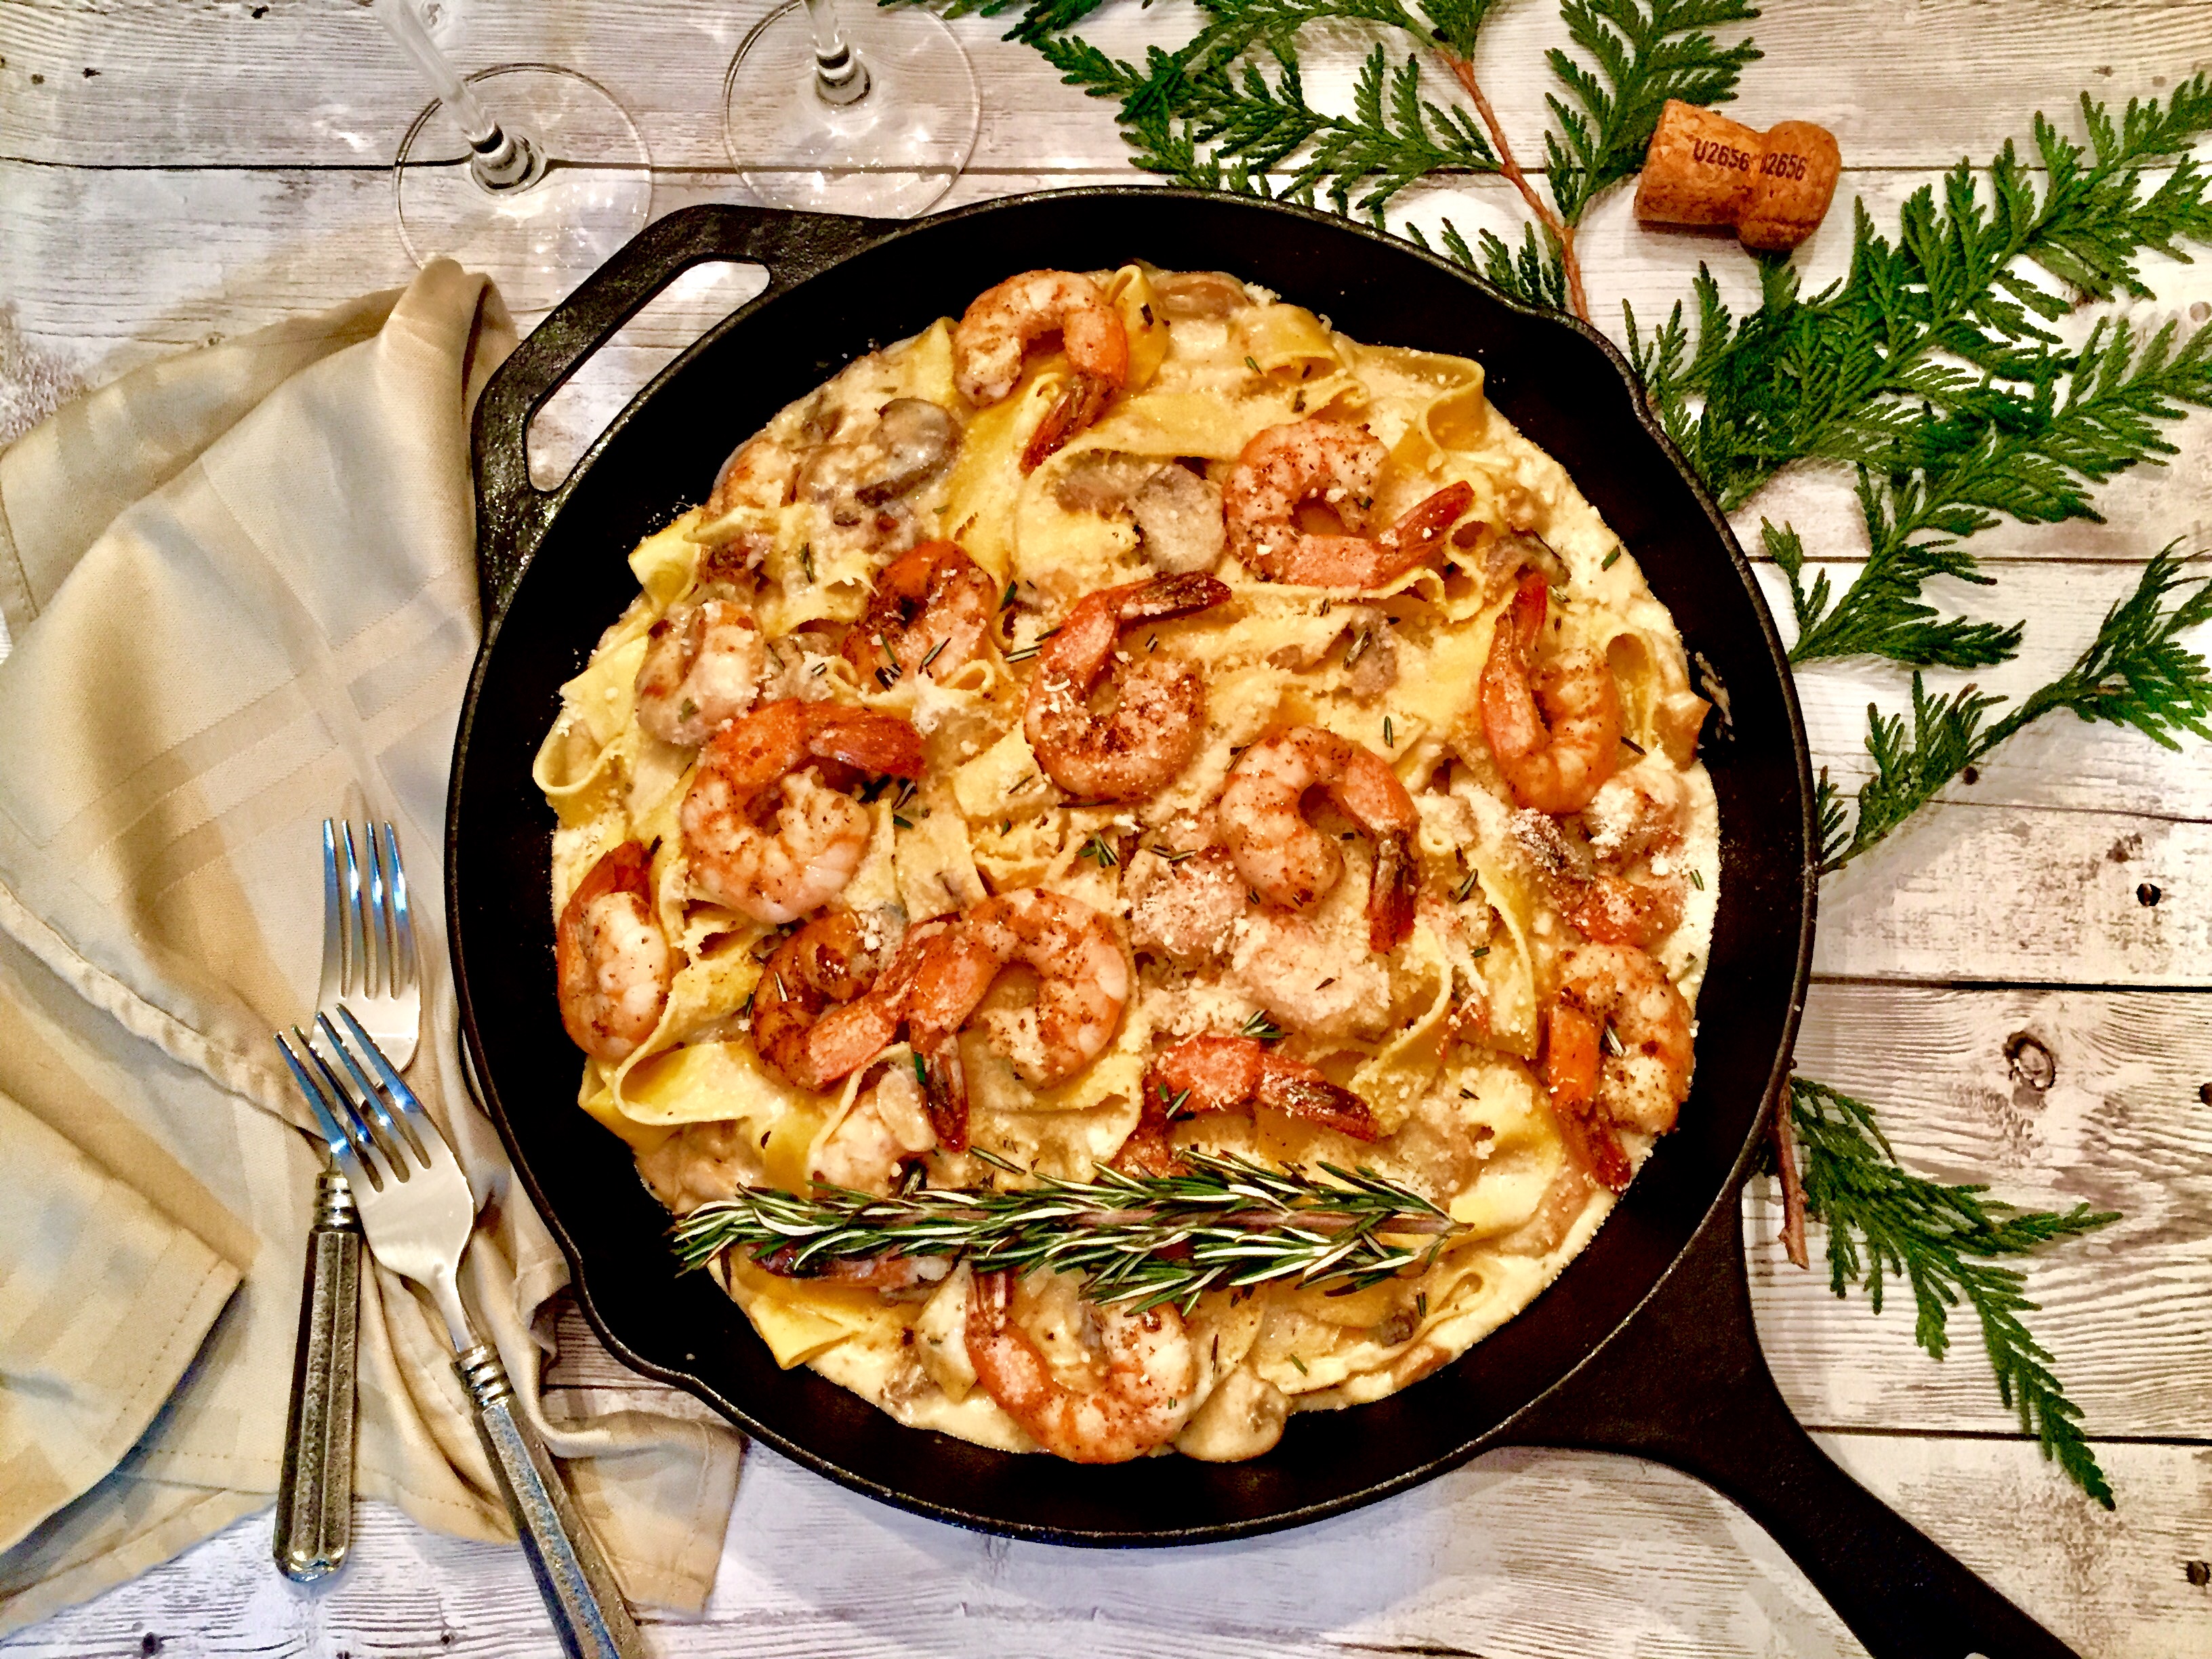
(1178,514)
(915,440)
(1187,294)
(1100,480)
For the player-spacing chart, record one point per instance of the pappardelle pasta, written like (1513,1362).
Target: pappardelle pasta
(1130,721)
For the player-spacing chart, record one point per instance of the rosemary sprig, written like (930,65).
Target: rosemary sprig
(1144,1240)
(2136,672)
(1943,1241)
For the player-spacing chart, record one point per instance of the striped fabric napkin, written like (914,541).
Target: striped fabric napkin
(240,589)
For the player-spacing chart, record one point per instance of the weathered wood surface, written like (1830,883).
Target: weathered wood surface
(314,82)
(1521,1555)
(223,169)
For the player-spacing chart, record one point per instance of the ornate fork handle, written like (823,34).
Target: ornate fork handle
(314,1498)
(578,1587)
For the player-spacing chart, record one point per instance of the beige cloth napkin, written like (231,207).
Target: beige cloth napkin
(240,585)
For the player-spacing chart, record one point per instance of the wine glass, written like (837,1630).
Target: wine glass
(537,197)
(876,116)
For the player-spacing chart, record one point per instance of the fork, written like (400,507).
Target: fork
(369,962)
(417,1205)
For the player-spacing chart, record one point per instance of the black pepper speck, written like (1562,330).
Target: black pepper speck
(2147,895)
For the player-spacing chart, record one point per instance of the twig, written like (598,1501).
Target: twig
(1562,233)
(1793,1189)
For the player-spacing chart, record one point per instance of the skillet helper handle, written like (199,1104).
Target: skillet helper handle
(512,512)
(1684,1384)
(579,1588)
(314,1492)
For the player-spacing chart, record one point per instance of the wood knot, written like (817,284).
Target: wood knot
(2031,1062)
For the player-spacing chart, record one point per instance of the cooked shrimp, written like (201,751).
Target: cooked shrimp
(1642,1081)
(1636,812)
(1286,466)
(778,875)
(1556,733)
(1289,862)
(1148,1391)
(931,610)
(990,341)
(1160,715)
(702,668)
(839,958)
(1614,909)
(1083,984)
(612,962)
(887,1126)
(1221,1073)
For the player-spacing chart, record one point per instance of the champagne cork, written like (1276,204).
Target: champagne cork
(1705,169)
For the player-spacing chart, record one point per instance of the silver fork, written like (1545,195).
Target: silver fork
(415,1203)
(368,937)
(369,963)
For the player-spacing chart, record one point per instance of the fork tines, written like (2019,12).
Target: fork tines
(369,935)
(376,1128)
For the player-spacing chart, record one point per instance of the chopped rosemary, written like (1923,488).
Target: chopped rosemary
(1357,648)
(1608,562)
(920,1069)
(1251,364)
(1479,952)
(1631,743)
(1697,880)
(1461,893)
(1099,848)
(931,657)
(1260,1027)
(1390,734)
(1006,598)
(806,560)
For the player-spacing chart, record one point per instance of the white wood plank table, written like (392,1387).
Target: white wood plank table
(172,170)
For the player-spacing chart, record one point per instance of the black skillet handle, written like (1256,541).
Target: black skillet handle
(512,513)
(1684,1384)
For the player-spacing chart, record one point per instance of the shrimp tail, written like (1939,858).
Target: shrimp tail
(945,1087)
(1415,536)
(883,744)
(1315,1099)
(1390,897)
(1165,596)
(1570,1072)
(1084,401)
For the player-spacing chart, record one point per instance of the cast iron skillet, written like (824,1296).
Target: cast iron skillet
(1645,1345)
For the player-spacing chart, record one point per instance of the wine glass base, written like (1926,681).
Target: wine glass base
(537,240)
(891,154)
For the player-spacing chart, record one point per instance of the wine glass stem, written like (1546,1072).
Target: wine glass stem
(840,76)
(499,159)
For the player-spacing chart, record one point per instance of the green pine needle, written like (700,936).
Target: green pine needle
(1643,53)
(2136,672)
(1229,106)
(1935,349)
(1225,1223)
(1943,1241)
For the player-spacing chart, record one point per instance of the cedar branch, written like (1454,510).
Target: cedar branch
(1463,71)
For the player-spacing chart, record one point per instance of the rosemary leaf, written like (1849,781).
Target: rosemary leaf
(1142,1240)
